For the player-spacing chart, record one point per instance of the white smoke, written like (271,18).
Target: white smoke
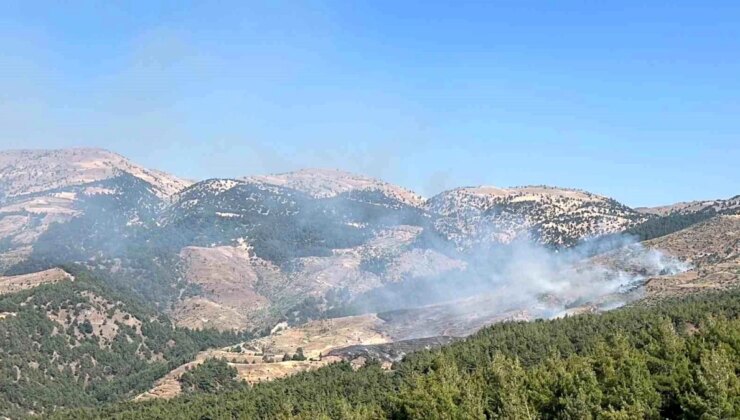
(525,280)
(530,272)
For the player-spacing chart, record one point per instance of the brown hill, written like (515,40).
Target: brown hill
(713,250)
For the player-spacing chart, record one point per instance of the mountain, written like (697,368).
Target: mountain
(549,215)
(326,183)
(704,256)
(291,245)
(318,264)
(687,207)
(675,217)
(249,252)
(711,248)
(96,190)
(24,172)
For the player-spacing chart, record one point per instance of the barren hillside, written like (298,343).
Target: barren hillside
(14,284)
(713,250)
(262,359)
(229,279)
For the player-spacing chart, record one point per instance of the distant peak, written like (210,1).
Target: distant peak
(318,172)
(27,171)
(325,183)
(66,150)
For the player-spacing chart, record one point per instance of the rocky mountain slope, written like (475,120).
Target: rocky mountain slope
(703,256)
(549,215)
(317,259)
(712,248)
(719,206)
(245,253)
(327,183)
(672,218)
(15,284)
(709,252)
(24,172)
(87,187)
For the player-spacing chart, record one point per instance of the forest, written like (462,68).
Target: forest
(676,359)
(79,343)
(664,225)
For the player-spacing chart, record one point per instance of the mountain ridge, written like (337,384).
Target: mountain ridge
(26,171)
(304,241)
(296,256)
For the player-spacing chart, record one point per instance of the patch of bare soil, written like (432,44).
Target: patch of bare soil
(714,241)
(261,359)
(709,250)
(319,337)
(4,315)
(15,284)
(229,279)
(250,366)
(200,312)
(321,342)
(713,249)
(713,277)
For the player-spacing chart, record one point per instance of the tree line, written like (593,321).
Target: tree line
(676,359)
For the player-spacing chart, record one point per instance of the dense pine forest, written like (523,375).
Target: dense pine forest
(676,359)
(105,345)
(673,222)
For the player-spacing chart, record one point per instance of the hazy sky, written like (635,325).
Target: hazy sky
(639,102)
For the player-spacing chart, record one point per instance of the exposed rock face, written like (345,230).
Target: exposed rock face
(554,216)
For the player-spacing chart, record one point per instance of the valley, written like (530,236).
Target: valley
(276,275)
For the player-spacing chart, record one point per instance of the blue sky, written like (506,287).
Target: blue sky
(635,100)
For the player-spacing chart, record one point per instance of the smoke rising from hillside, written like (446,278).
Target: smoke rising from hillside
(122,230)
(526,276)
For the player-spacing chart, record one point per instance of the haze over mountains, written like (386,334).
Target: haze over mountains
(325,260)
(228,253)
